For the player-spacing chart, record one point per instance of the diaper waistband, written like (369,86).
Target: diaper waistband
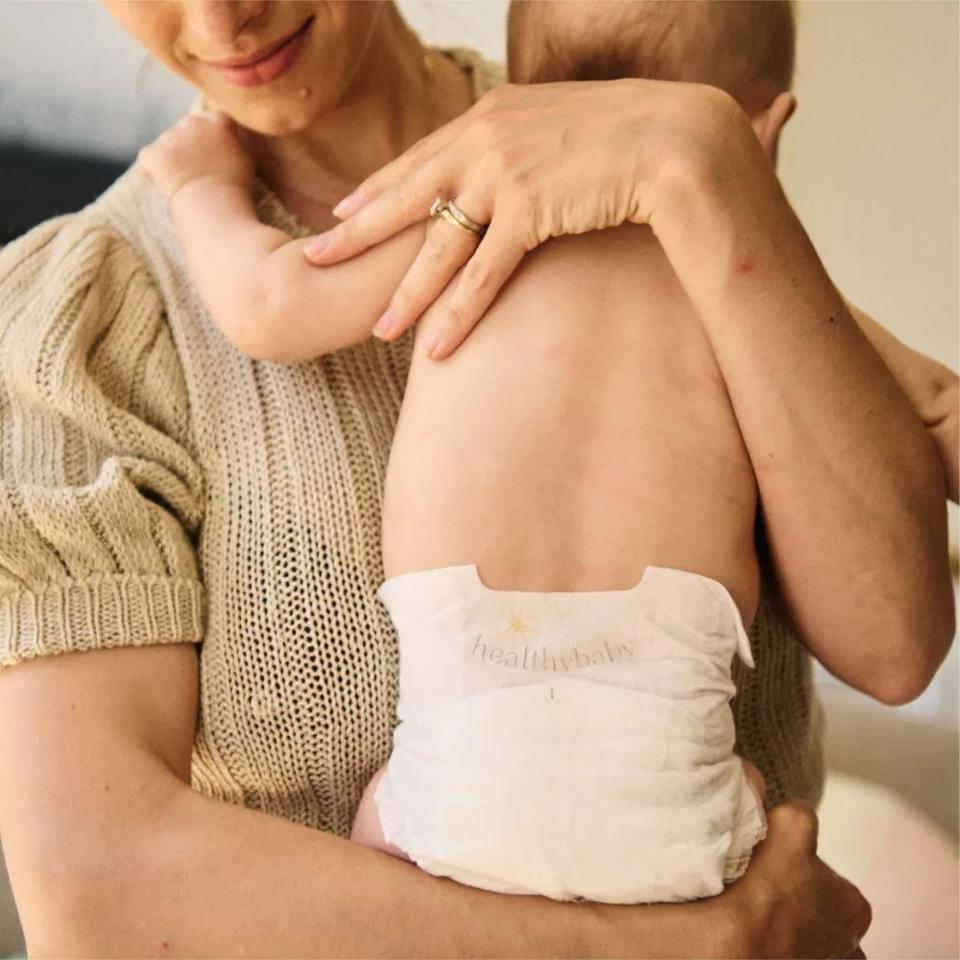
(425,595)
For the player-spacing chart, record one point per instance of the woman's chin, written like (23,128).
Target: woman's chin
(283,117)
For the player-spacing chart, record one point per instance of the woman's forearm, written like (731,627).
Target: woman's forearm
(210,879)
(851,485)
(932,389)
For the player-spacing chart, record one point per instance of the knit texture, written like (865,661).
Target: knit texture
(158,487)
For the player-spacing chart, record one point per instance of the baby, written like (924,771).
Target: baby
(568,520)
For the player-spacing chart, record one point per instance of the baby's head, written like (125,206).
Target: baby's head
(745,47)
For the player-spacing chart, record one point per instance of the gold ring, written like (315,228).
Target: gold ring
(449,211)
(462,218)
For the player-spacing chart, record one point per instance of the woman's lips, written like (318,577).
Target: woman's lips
(262,68)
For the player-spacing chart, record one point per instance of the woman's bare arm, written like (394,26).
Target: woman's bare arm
(932,389)
(111,854)
(851,483)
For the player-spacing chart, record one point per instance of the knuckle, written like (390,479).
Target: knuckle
(478,275)
(527,191)
(500,96)
(457,318)
(521,204)
(344,233)
(402,195)
(403,300)
(497,162)
(420,150)
(491,125)
(862,913)
(437,248)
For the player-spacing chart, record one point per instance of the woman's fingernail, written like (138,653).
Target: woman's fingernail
(382,327)
(317,245)
(344,206)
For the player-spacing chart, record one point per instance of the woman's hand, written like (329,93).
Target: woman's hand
(789,903)
(533,162)
(199,145)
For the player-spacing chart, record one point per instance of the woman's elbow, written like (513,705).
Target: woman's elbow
(82,909)
(85,881)
(908,675)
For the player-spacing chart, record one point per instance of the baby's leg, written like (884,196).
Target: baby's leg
(366,825)
(756,781)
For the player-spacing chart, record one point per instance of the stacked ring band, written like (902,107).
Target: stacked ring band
(449,211)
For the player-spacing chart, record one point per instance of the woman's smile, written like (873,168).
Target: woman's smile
(266,64)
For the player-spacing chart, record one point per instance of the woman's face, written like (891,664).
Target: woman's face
(272,65)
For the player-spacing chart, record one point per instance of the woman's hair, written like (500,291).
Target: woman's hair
(731,44)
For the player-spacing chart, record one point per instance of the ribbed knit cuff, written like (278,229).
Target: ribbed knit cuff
(99,613)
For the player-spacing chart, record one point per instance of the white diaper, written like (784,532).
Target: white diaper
(573,745)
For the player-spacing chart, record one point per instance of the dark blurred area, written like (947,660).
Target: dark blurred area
(37,183)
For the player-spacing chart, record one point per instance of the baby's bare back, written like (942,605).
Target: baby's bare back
(582,432)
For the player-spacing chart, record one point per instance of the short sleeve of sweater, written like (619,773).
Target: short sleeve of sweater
(100,499)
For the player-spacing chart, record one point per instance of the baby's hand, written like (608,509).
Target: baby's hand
(203,145)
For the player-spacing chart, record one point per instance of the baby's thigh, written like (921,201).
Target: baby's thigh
(366,825)
(755,779)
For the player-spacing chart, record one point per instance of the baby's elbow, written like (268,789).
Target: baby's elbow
(256,335)
(264,327)
(256,344)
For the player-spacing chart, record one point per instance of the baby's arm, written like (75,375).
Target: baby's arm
(267,300)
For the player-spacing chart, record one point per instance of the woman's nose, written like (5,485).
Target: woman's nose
(221,21)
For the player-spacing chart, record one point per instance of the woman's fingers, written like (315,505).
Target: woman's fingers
(391,213)
(444,251)
(485,273)
(403,204)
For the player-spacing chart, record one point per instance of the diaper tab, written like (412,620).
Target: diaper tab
(735,621)
(728,619)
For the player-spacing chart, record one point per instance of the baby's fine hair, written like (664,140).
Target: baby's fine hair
(745,47)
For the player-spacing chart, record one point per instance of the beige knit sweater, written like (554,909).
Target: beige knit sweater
(158,487)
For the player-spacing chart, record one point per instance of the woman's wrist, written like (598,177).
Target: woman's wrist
(721,215)
(704,145)
(715,927)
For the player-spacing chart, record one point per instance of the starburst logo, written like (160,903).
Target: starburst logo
(518,628)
